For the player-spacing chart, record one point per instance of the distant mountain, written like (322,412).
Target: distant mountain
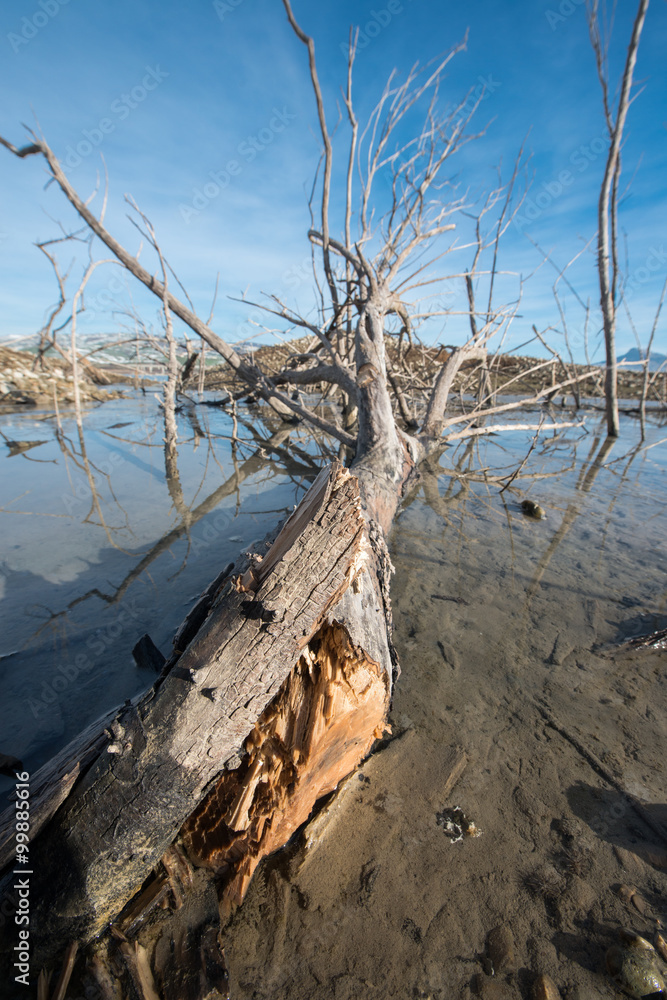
(635,356)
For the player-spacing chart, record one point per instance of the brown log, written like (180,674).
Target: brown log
(292,672)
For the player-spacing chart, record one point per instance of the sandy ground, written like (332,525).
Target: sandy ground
(508,635)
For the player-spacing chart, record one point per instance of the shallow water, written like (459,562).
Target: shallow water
(498,619)
(99,546)
(542,602)
(604,538)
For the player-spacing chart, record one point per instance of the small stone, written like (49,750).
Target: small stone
(633,967)
(627,859)
(631,897)
(625,892)
(544,988)
(500,949)
(639,903)
(532,509)
(631,940)
(660,945)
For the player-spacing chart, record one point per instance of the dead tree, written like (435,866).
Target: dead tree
(280,679)
(608,268)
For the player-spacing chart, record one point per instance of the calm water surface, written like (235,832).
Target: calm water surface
(100,546)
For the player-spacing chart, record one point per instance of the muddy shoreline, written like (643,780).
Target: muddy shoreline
(26,380)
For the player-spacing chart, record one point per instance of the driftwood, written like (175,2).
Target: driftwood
(280,693)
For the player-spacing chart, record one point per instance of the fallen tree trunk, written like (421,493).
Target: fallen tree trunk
(280,693)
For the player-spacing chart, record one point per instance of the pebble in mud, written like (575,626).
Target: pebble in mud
(544,988)
(532,509)
(633,965)
(660,945)
(631,897)
(500,949)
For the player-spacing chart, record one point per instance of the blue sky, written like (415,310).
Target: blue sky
(172,94)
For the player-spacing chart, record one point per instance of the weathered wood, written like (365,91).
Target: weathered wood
(66,973)
(162,755)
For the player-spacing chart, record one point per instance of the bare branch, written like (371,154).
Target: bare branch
(434,419)
(326,139)
(249,373)
(499,428)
